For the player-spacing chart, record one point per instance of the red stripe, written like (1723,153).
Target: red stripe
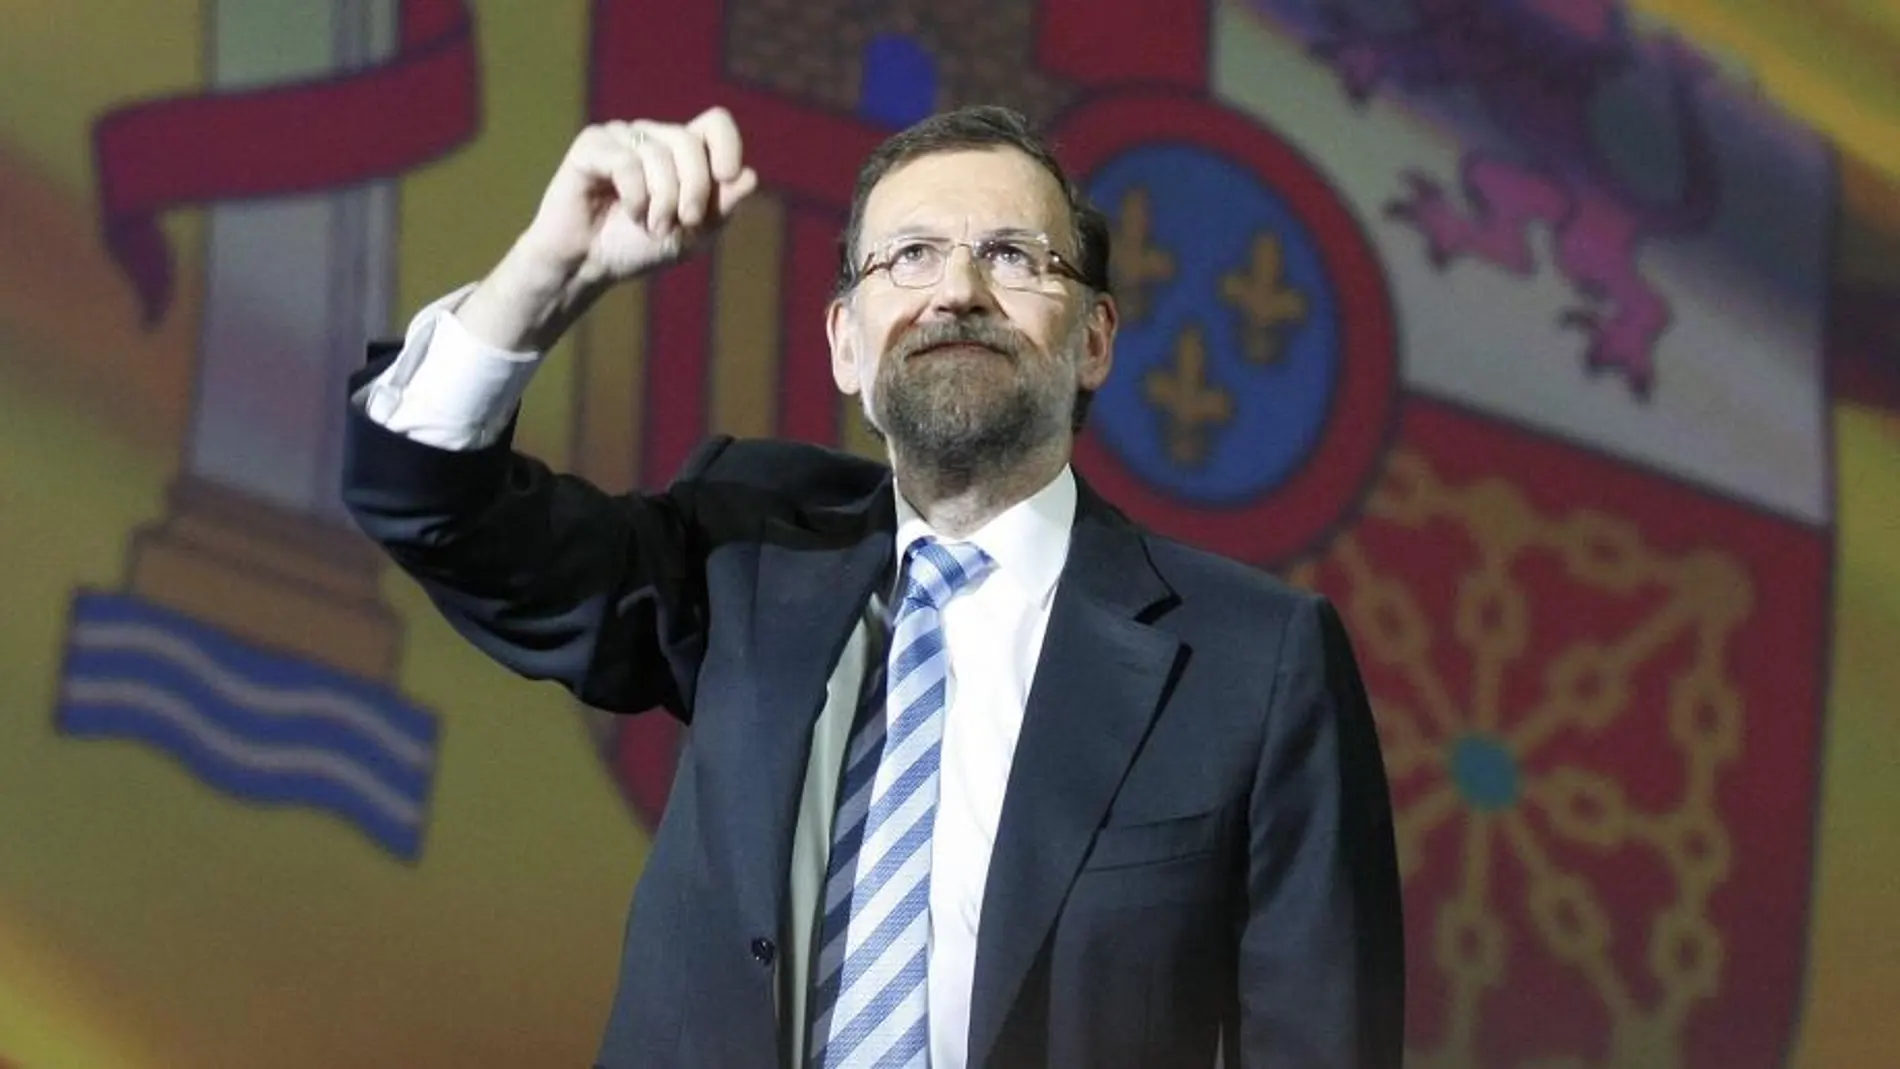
(645,754)
(1150,42)
(678,367)
(806,153)
(295,138)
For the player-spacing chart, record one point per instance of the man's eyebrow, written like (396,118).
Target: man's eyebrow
(932,232)
(1009,232)
(907,232)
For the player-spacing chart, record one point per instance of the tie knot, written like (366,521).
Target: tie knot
(938,570)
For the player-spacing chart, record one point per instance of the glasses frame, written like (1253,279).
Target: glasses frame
(1059,266)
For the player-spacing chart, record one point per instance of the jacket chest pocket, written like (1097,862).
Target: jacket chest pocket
(1176,860)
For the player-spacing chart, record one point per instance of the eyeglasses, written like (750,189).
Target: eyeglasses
(1012,261)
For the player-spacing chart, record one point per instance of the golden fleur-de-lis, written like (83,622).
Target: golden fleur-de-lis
(1136,262)
(1265,303)
(1188,403)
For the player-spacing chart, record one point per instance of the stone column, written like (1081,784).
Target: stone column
(254,539)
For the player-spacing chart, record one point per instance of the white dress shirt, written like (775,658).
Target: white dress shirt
(450,390)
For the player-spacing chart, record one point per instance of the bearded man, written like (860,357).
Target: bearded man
(977,772)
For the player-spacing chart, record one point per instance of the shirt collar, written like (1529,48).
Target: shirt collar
(1029,541)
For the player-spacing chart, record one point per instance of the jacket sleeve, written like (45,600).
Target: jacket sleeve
(545,573)
(1322,954)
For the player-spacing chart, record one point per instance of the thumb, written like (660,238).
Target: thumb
(733,192)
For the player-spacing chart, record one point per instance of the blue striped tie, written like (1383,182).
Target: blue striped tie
(871,1004)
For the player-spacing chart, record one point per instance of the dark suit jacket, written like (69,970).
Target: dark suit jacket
(1195,851)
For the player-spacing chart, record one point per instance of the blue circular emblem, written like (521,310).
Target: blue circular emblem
(1228,354)
(1256,374)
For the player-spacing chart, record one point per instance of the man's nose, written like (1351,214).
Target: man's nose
(964,285)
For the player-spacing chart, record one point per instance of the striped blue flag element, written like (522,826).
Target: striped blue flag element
(262,725)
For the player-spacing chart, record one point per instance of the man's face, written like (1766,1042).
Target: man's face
(967,372)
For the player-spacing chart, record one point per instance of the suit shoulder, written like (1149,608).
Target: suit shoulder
(1195,571)
(1229,604)
(1226,600)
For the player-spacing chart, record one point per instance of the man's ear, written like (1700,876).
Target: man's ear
(844,356)
(1098,348)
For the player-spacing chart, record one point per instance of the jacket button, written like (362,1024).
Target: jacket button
(764,951)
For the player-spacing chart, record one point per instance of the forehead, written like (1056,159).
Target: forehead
(966,192)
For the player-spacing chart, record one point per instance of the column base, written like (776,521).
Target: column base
(270,576)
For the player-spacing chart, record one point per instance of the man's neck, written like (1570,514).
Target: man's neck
(957,503)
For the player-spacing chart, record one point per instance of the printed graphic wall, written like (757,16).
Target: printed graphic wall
(1557,340)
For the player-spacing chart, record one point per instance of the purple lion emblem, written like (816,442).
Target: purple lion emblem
(1537,68)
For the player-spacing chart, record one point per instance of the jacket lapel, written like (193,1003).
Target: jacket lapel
(1102,674)
(815,576)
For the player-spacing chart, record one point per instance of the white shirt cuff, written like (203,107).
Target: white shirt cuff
(447,388)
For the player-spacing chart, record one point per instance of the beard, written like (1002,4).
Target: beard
(972,395)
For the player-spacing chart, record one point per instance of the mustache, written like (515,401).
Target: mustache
(964,331)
